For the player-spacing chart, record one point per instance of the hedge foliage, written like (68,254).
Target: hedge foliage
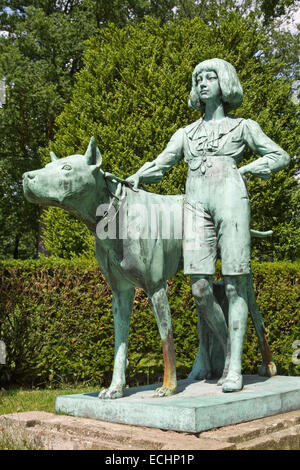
(56,321)
(132,96)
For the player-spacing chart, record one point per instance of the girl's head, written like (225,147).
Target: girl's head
(231,89)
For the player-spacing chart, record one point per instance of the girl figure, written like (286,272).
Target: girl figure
(217,210)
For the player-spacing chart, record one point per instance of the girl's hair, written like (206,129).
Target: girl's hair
(232,91)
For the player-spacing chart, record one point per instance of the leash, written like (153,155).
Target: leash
(117,197)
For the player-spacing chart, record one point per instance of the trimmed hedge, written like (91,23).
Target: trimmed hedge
(56,321)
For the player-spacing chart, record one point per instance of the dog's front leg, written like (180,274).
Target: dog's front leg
(160,304)
(122,307)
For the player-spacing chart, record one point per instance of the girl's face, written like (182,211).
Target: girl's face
(208,86)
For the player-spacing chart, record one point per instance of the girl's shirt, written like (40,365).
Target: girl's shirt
(198,142)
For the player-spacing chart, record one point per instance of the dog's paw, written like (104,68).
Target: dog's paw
(267,370)
(164,392)
(111,393)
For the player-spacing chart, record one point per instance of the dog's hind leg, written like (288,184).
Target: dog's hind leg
(212,322)
(268,367)
(202,366)
(122,306)
(160,304)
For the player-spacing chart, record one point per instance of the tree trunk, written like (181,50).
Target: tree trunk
(41,249)
(16,247)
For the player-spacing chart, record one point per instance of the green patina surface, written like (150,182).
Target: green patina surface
(199,406)
(216,219)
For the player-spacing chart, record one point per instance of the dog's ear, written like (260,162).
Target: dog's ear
(93,155)
(53,157)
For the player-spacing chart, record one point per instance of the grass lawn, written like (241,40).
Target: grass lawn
(15,400)
(18,399)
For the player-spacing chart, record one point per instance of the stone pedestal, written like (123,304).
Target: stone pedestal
(197,407)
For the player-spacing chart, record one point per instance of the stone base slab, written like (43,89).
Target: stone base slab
(38,430)
(197,407)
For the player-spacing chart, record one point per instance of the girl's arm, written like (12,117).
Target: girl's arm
(152,172)
(273,158)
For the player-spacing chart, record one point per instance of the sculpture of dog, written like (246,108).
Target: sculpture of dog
(79,185)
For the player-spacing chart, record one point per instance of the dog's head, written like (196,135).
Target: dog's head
(64,182)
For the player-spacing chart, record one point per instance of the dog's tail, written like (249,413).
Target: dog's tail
(259,234)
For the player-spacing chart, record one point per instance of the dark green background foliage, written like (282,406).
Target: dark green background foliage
(132,96)
(40,53)
(41,50)
(56,320)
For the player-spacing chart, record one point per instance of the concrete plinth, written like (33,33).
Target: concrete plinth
(197,407)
